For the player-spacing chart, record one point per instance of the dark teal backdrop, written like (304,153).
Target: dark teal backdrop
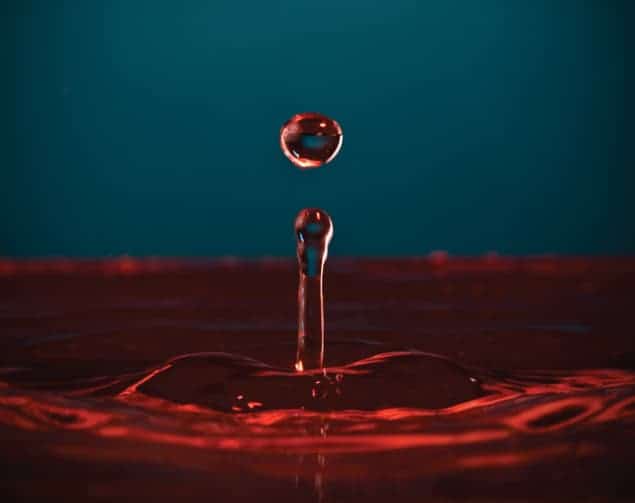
(151,127)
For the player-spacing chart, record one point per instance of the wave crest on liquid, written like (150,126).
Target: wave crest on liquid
(392,400)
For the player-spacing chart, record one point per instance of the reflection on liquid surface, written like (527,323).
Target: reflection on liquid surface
(135,376)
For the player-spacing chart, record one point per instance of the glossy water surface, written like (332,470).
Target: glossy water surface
(447,379)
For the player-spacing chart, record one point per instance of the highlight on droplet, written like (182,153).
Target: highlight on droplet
(310,139)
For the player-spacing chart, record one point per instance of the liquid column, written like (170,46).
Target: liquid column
(313,230)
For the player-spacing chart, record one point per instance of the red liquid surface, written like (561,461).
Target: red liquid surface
(117,381)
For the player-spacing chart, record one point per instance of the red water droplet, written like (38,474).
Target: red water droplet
(310,140)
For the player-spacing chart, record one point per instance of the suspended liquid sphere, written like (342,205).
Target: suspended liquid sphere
(310,140)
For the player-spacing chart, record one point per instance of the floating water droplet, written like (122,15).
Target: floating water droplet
(310,140)
(313,229)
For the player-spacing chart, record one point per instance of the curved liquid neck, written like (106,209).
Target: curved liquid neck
(314,229)
(310,354)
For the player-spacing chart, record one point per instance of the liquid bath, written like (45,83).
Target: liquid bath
(116,371)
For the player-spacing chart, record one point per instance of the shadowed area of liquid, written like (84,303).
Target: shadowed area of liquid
(447,379)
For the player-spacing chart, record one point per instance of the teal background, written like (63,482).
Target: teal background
(151,127)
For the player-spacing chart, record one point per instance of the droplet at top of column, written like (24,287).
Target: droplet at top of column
(313,231)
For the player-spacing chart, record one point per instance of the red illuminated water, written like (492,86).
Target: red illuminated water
(314,230)
(447,379)
(310,140)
